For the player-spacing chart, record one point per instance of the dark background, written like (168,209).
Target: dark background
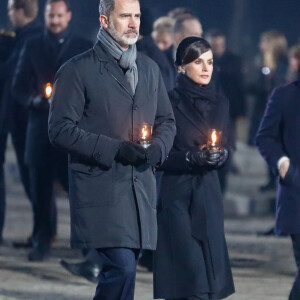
(241,20)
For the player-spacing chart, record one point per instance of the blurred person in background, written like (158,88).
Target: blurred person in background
(7,39)
(147,46)
(183,27)
(181,12)
(40,59)
(229,80)
(278,141)
(270,69)
(191,261)
(13,116)
(294,63)
(162,33)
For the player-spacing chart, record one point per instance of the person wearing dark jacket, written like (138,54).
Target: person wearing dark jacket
(38,63)
(13,116)
(7,39)
(191,260)
(278,141)
(228,75)
(270,69)
(101,101)
(147,46)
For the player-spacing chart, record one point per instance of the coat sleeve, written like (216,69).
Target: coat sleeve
(164,129)
(66,110)
(268,139)
(23,88)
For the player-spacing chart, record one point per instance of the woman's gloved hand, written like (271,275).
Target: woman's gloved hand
(131,154)
(204,158)
(223,157)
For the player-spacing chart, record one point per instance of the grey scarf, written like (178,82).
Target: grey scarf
(125,59)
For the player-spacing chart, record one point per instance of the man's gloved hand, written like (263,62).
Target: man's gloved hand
(223,157)
(131,154)
(204,158)
(39,102)
(153,155)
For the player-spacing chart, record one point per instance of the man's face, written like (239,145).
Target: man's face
(57,17)
(123,24)
(218,45)
(16,16)
(163,40)
(191,28)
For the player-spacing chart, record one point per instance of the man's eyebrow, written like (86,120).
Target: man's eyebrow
(128,14)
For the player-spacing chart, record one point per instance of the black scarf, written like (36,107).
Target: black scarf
(203,97)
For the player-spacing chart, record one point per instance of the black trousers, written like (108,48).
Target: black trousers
(18,140)
(295,292)
(42,193)
(117,274)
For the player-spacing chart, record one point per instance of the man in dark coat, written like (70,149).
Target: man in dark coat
(38,63)
(13,116)
(101,100)
(7,39)
(278,141)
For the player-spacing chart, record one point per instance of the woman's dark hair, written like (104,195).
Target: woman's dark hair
(190,49)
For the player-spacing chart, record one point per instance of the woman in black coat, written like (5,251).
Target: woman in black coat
(191,261)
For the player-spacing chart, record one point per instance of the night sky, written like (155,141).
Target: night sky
(258,15)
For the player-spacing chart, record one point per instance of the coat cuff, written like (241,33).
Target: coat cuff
(105,150)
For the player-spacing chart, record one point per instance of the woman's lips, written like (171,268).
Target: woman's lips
(204,76)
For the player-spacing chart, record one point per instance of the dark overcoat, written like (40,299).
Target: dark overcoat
(191,257)
(38,63)
(13,115)
(92,111)
(279,135)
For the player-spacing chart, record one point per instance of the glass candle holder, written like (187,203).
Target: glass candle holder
(145,133)
(214,139)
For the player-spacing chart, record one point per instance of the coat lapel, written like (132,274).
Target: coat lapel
(142,80)
(112,68)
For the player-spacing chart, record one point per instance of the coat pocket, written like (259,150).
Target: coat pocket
(90,186)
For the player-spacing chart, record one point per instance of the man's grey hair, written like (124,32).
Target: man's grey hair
(106,7)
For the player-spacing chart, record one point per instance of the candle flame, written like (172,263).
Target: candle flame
(214,138)
(144,133)
(48,90)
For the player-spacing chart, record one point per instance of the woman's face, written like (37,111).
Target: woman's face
(200,70)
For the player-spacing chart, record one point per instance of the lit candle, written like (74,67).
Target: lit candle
(214,139)
(48,90)
(145,135)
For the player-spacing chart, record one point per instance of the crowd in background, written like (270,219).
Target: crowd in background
(24,111)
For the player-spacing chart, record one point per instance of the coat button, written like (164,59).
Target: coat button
(135,179)
(135,107)
(90,169)
(97,156)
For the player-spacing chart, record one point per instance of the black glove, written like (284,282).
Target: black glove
(203,158)
(153,155)
(39,102)
(223,157)
(131,154)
